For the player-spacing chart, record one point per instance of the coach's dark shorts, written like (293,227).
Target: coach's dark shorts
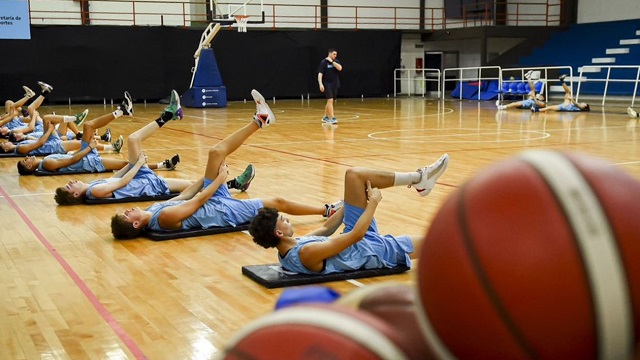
(330,90)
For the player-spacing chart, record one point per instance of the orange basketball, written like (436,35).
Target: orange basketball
(315,332)
(537,256)
(395,304)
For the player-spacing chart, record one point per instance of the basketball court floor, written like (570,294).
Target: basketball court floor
(71,291)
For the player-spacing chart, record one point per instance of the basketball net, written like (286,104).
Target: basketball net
(241,20)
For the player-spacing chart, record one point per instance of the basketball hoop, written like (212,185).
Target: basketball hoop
(241,20)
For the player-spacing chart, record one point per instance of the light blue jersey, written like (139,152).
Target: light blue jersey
(570,107)
(91,162)
(53,145)
(144,183)
(374,251)
(221,210)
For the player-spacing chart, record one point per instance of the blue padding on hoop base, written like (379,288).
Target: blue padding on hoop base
(273,276)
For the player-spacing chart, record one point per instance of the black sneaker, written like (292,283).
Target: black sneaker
(562,77)
(106,137)
(171,164)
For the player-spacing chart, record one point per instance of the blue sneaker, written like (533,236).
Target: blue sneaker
(325,119)
(334,121)
(535,109)
(174,107)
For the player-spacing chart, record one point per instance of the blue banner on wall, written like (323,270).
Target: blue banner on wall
(14,19)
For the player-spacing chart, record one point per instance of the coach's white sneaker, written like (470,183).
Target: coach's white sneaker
(430,175)
(632,112)
(263,116)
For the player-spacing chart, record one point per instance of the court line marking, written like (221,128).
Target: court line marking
(93,299)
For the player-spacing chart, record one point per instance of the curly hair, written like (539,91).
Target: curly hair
(123,230)
(263,227)
(64,197)
(24,170)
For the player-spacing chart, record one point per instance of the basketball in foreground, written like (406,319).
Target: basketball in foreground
(535,257)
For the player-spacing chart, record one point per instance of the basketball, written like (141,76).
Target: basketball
(535,257)
(394,303)
(316,331)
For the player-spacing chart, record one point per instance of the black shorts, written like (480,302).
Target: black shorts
(330,90)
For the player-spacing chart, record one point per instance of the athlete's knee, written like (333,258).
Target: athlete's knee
(217,151)
(355,174)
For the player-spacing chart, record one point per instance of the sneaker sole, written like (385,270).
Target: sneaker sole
(174,94)
(130,101)
(259,99)
(632,112)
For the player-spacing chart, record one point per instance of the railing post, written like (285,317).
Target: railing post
(356,28)
(133,12)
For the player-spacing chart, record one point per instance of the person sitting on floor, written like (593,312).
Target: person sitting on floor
(207,202)
(360,245)
(532,99)
(567,105)
(137,179)
(87,158)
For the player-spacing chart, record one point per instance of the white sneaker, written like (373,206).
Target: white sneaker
(632,112)
(28,92)
(45,86)
(528,74)
(430,175)
(330,209)
(498,103)
(263,116)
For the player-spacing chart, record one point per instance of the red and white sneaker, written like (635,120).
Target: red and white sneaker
(330,209)
(263,116)
(430,175)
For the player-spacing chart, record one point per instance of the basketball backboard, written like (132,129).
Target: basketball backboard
(224,12)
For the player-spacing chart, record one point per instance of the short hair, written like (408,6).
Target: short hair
(263,228)
(23,170)
(586,107)
(12,137)
(332,50)
(123,230)
(64,197)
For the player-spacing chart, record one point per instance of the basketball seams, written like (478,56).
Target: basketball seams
(334,321)
(485,283)
(598,249)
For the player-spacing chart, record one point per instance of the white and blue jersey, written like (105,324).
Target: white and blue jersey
(569,107)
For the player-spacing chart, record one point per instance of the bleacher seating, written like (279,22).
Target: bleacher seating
(590,45)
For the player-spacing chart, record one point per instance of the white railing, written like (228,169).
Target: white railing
(544,74)
(471,74)
(608,79)
(419,80)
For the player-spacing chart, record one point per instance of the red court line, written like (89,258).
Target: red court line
(289,153)
(106,315)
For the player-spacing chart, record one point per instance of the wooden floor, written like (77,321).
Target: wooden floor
(69,290)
